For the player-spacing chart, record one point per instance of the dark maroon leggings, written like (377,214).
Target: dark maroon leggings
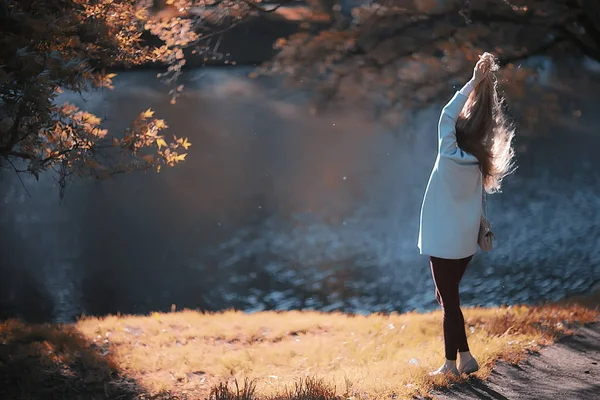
(447,275)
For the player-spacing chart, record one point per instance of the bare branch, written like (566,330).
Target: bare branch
(18,172)
(256,7)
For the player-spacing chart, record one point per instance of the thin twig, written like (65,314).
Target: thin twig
(19,176)
(255,6)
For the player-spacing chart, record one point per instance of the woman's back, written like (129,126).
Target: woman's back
(474,154)
(451,210)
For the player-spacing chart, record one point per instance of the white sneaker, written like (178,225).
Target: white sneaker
(445,370)
(469,367)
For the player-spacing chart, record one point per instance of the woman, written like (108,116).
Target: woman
(474,153)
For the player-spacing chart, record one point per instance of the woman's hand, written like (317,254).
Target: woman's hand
(482,68)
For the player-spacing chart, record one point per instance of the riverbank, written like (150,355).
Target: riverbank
(187,355)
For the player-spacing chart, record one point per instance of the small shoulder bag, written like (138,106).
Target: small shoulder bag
(484,239)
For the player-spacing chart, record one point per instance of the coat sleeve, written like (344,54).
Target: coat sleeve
(447,123)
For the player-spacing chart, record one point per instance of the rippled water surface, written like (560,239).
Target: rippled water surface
(276,209)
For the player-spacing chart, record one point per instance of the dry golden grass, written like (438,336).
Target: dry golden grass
(188,353)
(285,355)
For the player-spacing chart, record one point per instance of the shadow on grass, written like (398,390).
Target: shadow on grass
(49,361)
(45,362)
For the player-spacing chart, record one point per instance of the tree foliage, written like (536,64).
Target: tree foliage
(50,46)
(407,53)
(411,52)
(384,52)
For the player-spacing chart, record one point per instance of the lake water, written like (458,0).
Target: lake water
(276,208)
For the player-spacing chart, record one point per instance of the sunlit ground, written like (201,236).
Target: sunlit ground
(185,354)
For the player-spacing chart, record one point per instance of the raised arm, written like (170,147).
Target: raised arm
(447,123)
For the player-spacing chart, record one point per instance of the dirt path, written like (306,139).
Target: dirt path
(568,370)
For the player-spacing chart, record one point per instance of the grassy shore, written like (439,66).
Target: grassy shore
(274,355)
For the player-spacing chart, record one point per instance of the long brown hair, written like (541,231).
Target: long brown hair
(483,130)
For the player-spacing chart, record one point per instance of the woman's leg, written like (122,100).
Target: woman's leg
(447,275)
(463,345)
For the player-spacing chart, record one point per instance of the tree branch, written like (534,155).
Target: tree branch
(18,172)
(592,52)
(256,7)
(542,49)
(21,155)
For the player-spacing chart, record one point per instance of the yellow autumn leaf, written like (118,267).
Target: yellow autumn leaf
(151,131)
(91,119)
(110,76)
(148,113)
(160,124)
(140,14)
(101,133)
(160,142)
(181,157)
(186,145)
